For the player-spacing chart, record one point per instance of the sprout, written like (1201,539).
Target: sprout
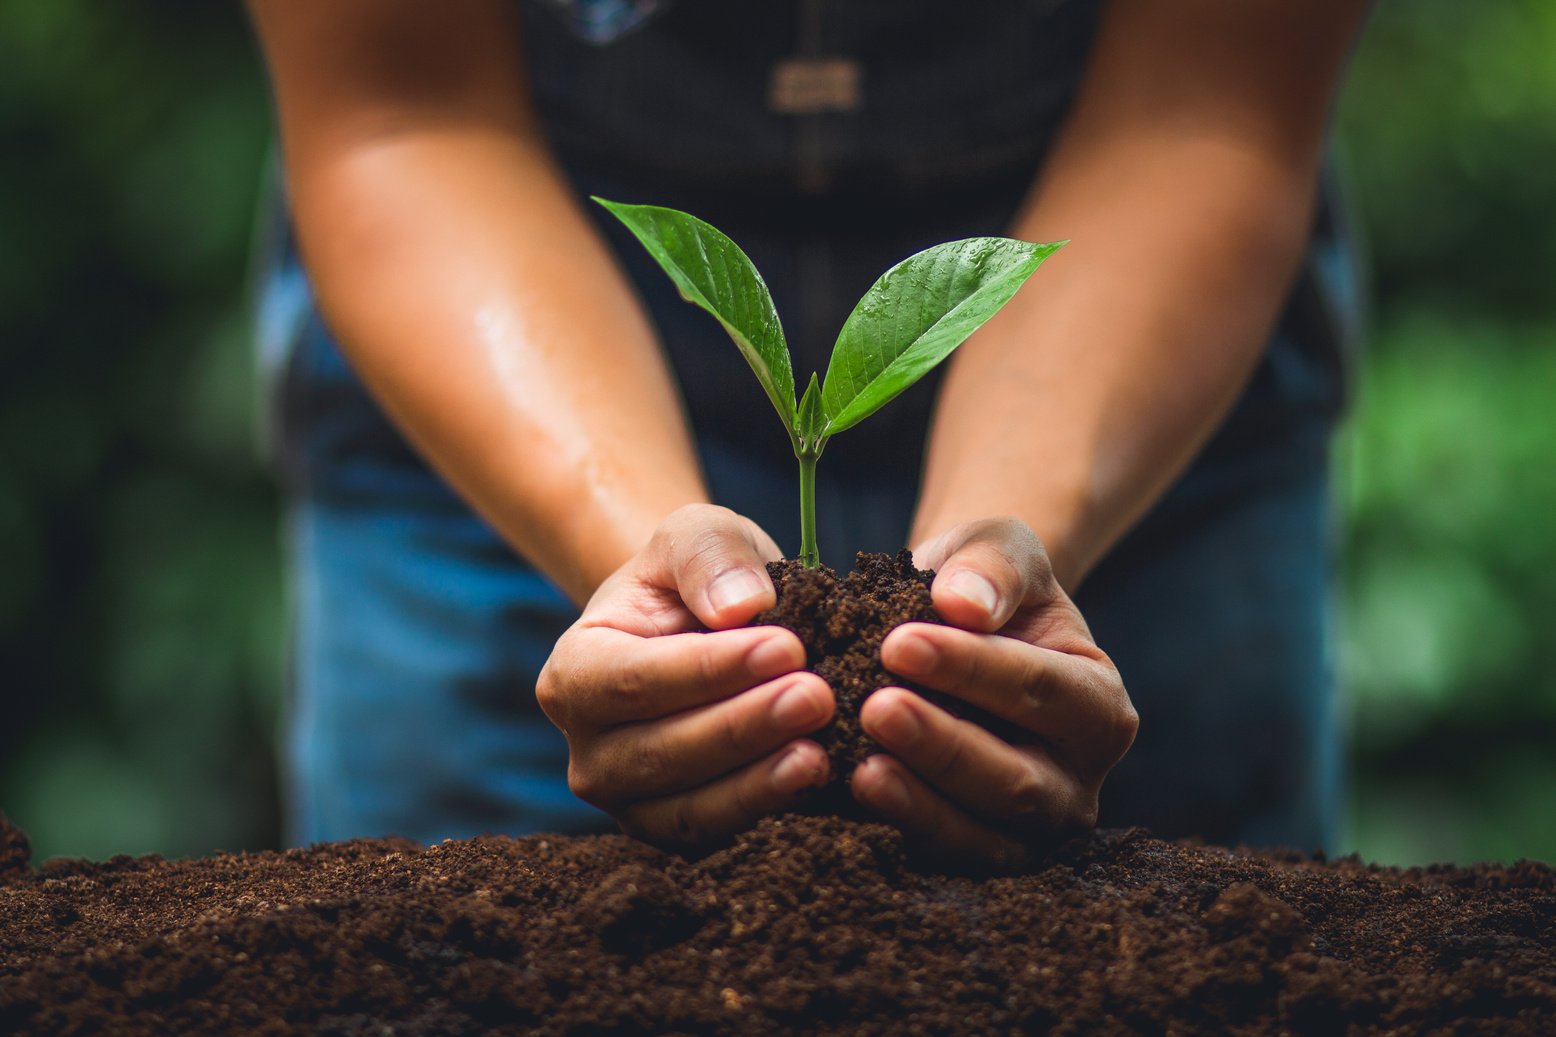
(910,320)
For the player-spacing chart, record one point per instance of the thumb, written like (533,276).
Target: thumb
(985,571)
(717,562)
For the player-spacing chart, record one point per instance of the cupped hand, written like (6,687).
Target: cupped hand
(681,723)
(1015,645)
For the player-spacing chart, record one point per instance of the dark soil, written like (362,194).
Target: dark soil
(805,925)
(808,924)
(842,623)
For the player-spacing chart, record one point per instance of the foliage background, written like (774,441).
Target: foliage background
(140,598)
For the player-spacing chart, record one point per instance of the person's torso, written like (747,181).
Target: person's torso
(828,139)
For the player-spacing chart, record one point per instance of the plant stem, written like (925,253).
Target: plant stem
(810,557)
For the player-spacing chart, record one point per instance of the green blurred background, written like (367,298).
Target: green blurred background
(141,608)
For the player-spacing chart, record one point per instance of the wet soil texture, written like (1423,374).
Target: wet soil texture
(804,925)
(842,622)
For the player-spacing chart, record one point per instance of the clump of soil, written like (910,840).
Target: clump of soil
(842,623)
(803,925)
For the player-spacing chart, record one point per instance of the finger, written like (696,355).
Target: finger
(1077,704)
(985,570)
(1014,786)
(612,677)
(698,745)
(720,809)
(887,787)
(717,560)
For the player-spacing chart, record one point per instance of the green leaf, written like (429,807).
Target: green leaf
(915,315)
(712,272)
(813,420)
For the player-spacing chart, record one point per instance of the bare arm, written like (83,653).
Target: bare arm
(1186,179)
(463,281)
(489,320)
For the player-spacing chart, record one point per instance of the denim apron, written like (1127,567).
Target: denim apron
(829,140)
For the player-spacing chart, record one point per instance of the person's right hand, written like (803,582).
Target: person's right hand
(682,727)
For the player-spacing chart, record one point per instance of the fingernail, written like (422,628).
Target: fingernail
(891,796)
(975,589)
(798,708)
(734,587)
(913,655)
(774,656)
(794,772)
(899,728)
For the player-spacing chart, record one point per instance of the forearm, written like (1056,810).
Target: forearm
(1076,407)
(490,322)
(464,282)
(1188,197)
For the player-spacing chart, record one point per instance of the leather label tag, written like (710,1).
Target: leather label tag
(807,86)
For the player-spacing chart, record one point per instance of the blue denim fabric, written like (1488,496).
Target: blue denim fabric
(418,635)
(602,21)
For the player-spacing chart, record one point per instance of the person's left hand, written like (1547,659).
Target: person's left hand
(1016,645)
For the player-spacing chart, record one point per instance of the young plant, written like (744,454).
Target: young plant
(910,320)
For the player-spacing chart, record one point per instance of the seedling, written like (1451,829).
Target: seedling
(910,320)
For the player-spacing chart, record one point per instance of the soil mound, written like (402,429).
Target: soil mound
(804,925)
(842,622)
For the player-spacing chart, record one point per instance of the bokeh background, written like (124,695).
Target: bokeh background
(141,606)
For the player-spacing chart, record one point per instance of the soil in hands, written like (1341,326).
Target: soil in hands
(803,925)
(842,622)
